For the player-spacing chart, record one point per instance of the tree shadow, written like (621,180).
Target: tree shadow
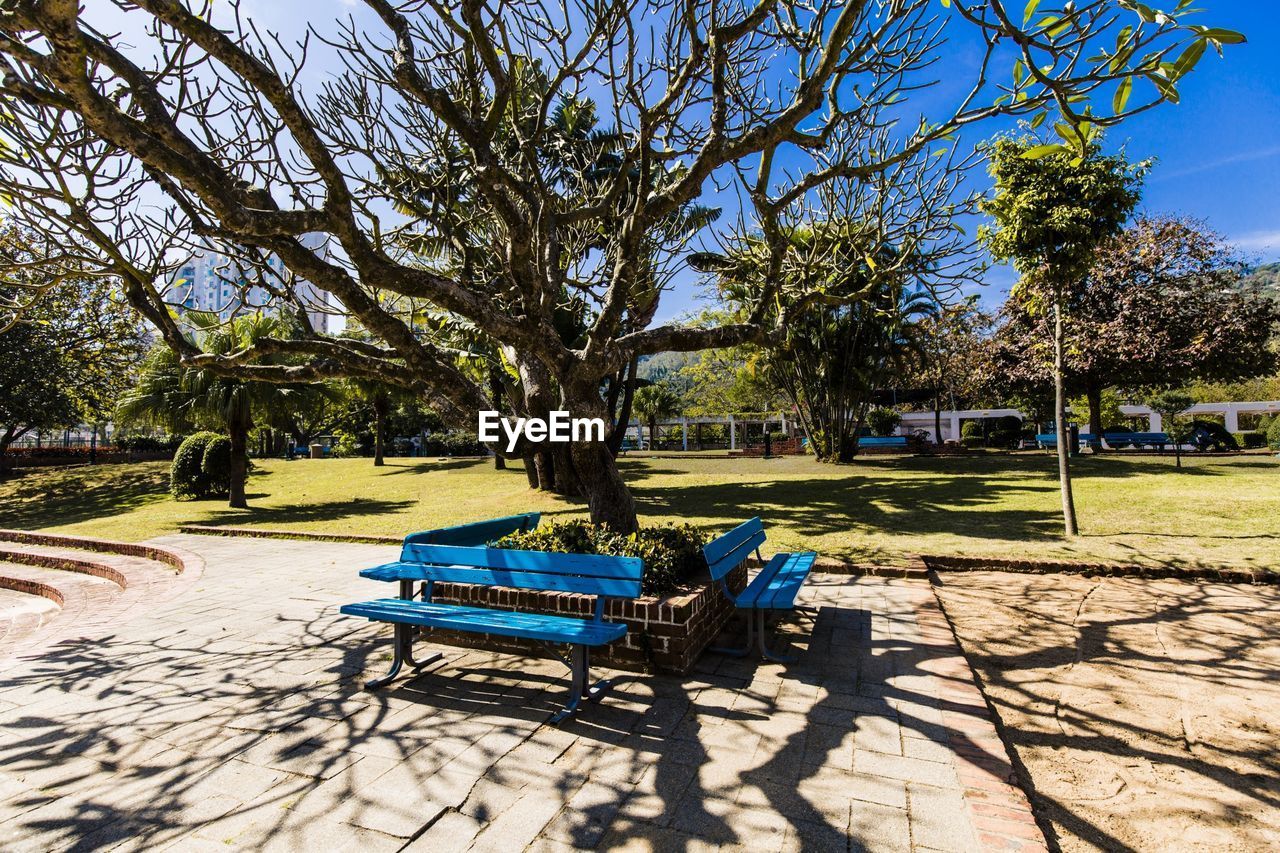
(1127,649)
(39,498)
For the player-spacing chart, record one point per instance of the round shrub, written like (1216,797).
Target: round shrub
(672,553)
(1273,434)
(883,422)
(971,429)
(216,465)
(187,479)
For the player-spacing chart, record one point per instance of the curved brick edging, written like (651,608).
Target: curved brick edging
(305,535)
(88,612)
(179,558)
(65,564)
(998,564)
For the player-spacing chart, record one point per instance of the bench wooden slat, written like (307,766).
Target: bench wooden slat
(543,562)
(747,598)
(475,534)
(719,548)
(514,578)
(781,590)
(505,623)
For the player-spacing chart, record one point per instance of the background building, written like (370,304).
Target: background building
(213,282)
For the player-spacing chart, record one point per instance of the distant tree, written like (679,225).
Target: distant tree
(654,403)
(833,357)
(883,421)
(170,391)
(1051,209)
(68,344)
(1170,405)
(1163,304)
(952,338)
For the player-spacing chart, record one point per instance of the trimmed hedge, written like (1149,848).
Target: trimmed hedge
(672,553)
(187,477)
(1273,433)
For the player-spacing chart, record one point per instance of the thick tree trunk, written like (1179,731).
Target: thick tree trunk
(1060,419)
(607,495)
(566,478)
(623,416)
(239,435)
(531,470)
(1094,395)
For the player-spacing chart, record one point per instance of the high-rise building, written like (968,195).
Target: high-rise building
(214,282)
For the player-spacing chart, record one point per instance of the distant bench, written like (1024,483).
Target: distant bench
(1115,440)
(425,558)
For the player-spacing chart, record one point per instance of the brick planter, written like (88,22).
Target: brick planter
(663,634)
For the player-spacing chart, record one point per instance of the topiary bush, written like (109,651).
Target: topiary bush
(215,465)
(187,480)
(971,429)
(672,553)
(1273,433)
(883,422)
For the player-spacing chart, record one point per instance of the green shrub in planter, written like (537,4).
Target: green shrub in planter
(216,465)
(672,553)
(187,479)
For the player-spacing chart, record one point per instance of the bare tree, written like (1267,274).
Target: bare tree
(451,132)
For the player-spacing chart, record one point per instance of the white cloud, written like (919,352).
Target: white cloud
(1258,241)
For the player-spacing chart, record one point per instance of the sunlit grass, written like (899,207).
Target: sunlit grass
(1217,511)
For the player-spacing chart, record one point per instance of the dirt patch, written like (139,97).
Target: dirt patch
(1146,713)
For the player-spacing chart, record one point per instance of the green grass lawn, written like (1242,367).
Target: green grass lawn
(1217,511)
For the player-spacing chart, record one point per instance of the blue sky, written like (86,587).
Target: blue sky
(1217,152)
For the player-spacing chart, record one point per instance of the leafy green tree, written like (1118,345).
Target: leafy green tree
(1163,304)
(1051,210)
(170,392)
(68,343)
(883,421)
(832,356)
(1170,406)
(952,341)
(654,403)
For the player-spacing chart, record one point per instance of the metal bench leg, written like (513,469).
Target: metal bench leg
(408,653)
(595,692)
(578,687)
(746,649)
(397,661)
(764,650)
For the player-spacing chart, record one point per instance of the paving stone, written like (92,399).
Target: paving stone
(235,718)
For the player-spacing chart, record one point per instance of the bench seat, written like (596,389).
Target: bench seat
(773,588)
(776,585)
(504,623)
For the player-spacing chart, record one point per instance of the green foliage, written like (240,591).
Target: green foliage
(1273,433)
(345,445)
(215,465)
(883,421)
(971,429)
(187,478)
(672,553)
(1051,212)
(973,441)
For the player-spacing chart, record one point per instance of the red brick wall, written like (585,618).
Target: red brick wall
(663,634)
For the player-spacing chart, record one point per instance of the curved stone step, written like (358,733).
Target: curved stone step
(98,584)
(77,596)
(22,613)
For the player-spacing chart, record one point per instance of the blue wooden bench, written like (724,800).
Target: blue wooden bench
(773,589)
(882,441)
(1049,440)
(589,574)
(477,533)
(1117,440)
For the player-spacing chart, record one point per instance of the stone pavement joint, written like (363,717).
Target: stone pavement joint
(231,715)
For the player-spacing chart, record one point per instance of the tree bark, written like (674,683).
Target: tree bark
(379,420)
(1093,392)
(623,416)
(607,495)
(531,469)
(239,434)
(1063,436)
(937,420)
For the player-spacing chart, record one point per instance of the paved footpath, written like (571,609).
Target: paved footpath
(232,717)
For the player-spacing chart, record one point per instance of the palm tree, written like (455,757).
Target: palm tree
(653,402)
(175,396)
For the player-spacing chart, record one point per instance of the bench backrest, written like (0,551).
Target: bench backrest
(727,552)
(591,574)
(475,534)
(883,441)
